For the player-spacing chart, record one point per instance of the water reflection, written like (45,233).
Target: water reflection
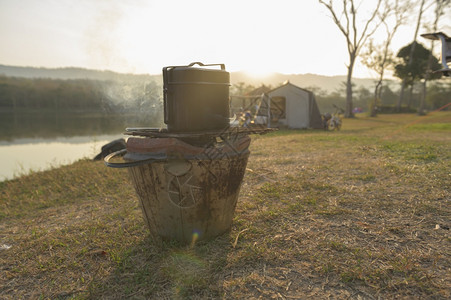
(41,141)
(51,125)
(23,155)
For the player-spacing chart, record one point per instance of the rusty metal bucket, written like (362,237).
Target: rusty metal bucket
(186,193)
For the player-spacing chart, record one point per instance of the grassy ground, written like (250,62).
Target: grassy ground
(363,213)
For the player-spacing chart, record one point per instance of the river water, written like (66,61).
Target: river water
(36,142)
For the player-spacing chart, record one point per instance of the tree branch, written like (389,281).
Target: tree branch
(364,35)
(354,27)
(337,21)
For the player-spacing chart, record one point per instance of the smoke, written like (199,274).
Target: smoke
(103,35)
(142,99)
(126,94)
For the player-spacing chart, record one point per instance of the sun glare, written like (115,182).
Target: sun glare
(258,72)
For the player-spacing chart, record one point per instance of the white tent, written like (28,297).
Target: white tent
(291,106)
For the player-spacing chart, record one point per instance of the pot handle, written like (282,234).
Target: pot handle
(127,164)
(165,95)
(206,65)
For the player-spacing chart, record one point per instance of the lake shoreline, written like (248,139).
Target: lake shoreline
(33,140)
(29,155)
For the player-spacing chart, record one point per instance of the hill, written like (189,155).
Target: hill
(72,73)
(327,83)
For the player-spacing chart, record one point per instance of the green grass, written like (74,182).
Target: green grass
(414,151)
(431,127)
(348,214)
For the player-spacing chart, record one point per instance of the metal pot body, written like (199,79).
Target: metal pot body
(196,99)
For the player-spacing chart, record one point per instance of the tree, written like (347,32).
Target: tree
(415,64)
(412,49)
(363,97)
(379,57)
(355,38)
(388,97)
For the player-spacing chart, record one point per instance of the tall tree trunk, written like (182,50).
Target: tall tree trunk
(377,95)
(401,96)
(349,104)
(410,96)
(421,111)
(379,92)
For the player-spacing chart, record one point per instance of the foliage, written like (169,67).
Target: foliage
(241,88)
(328,101)
(419,67)
(392,109)
(76,94)
(439,95)
(388,96)
(377,58)
(363,97)
(81,95)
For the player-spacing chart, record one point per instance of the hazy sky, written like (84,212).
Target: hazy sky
(136,36)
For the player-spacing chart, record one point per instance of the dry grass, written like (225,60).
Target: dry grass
(363,213)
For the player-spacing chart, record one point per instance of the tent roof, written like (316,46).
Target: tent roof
(288,83)
(258,91)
